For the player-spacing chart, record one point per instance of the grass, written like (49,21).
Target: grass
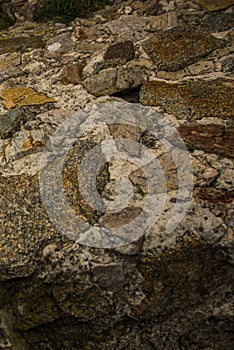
(67,10)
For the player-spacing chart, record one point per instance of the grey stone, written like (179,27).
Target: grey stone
(10,122)
(109,276)
(128,23)
(228,64)
(20,44)
(113,80)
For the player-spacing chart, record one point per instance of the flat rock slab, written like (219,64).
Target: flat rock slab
(126,24)
(210,138)
(215,5)
(191,100)
(20,44)
(178,47)
(23,96)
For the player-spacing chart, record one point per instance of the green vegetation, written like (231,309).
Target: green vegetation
(67,10)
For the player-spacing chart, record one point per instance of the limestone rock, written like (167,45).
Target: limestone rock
(191,100)
(215,5)
(179,47)
(113,80)
(23,96)
(10,122)
(60,43)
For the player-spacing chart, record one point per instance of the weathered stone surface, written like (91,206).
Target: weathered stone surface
(228,64)
(179,47)
(215,5)
(191,100)
(20,44)
(9,60)
(122,50)
(25,142)
(10,122)
(211,139)
(126,24)
(113,80)
(60,44)
(150,7)
(23,96)
(165,21)
(72,74)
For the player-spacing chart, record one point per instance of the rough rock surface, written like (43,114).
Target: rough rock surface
(162,289)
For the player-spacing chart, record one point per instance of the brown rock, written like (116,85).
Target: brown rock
(127,23)
(72,74)
(122,50)
(215,5)
(209,138)
(23,96)
(214,195)
(191,100)
(179,47)
(150,7)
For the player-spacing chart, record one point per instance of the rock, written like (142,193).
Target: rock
(165,21)
(215,5)
(23,96)
(54,116)
(60,43)
(25,142)
(150,7)
(211,139)
(20,44)
(9,60)
(109,276)
(181,47)
(191,100)
(123,50)
(10,122)
(72,74)
(126,23)
(103,83)
(113,80)
(228,64)
(213,195)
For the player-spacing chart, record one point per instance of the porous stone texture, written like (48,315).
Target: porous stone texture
(191,100)
(160,289)
(178,47)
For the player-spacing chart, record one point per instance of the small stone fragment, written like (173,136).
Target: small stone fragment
(122,50)
(72,74)
(10,122)
(109,276)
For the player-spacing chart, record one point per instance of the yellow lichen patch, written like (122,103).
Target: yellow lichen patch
(23,96)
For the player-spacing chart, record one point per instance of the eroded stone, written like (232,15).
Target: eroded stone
(10,122)
(122,50)
(20,44)
(126,24)
(215,5)
(209,138)
(191,100)
(179,47)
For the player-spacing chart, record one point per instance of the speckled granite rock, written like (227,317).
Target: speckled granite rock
(191,100)
(178,47)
